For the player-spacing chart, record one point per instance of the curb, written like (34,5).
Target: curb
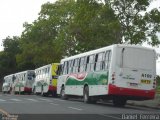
(146,106)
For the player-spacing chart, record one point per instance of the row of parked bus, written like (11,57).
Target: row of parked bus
(42,81)
(117,72)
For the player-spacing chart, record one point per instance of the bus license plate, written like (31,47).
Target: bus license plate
(146,81)
(133,84)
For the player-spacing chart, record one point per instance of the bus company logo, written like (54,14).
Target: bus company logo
(128,77)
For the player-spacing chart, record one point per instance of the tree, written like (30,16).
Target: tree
(158,82)
(82,25)
(65,28)
(8,63)
(37,42)
(59,14)
(93,25)
(137,25)
(11,45)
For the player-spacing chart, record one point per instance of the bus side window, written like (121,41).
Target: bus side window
(87,64)
(99,61)
(90,63)
(59,70)
(76,65)
(96,62)
(72,65)
(38,73)
(65,68)
(48,69)
(34,76)
(107,59)
(13,78)
(82,64)
(70,68)
(46,74)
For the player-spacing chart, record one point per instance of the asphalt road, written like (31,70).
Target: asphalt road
(34,107)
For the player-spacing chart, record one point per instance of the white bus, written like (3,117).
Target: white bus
(7,83)
(23,82)
(46,80)
(117,72)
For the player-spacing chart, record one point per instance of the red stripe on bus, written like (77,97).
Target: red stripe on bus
(114,90)
(27,89)
(52,88)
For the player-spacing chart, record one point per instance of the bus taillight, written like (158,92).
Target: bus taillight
(154,83)
(113,77)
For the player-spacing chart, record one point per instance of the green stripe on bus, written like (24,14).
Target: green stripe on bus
(92,78)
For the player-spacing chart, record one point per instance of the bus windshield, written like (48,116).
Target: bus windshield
(31,76)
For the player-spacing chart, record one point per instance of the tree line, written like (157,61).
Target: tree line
(69,27)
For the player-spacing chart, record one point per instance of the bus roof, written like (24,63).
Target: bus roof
(24,72)
(8,76)
(47,66)
(104,49)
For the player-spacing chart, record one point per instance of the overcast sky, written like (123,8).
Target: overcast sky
(15,12)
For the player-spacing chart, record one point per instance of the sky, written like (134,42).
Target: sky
(15,12)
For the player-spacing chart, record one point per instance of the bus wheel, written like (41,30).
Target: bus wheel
(34,90)
(119,101)
(86,97)
(42,93)
(10,91)
(63,95)
(54,94)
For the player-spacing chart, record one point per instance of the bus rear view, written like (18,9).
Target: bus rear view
(134,73)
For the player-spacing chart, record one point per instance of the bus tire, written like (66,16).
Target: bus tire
(86,97)
(62,94)
(119,101)
(43,94)
(54,94)
(10,91)
(34,90)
